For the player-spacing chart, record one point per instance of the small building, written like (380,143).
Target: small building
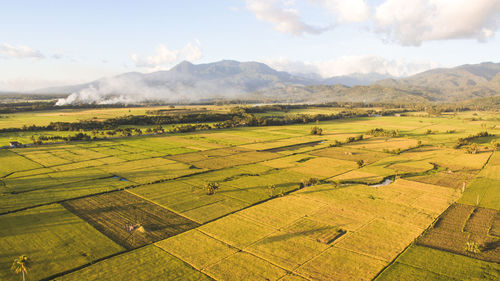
(15,144)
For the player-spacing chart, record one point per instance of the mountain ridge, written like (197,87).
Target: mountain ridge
(253,80)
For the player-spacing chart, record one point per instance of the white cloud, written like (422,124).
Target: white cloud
(347,10)
(192,52)
(19,52)
(165,57)
(406,22)
(410,22)
(345,65)
(284,18)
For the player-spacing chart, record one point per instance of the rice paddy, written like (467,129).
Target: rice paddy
(288,205)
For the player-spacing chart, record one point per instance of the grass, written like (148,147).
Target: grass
(371,240)
(53,238)
(197,248)
(351,154)
(16,163)
(287,249)
(324,167)
(327,231)
(148,263)
(51,194)
(244,266)
(340,264)
(423,263)
(237,231)
(484,188)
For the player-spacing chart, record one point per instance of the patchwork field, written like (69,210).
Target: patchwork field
(113,213)
(423,263)
(288,205)
(462,224)
(53,238)
(148,263)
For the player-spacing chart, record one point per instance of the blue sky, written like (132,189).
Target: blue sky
(47,43)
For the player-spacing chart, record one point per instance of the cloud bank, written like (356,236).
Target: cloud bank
(284,18)
(405,22)
(19,52)
(165,57)
(345,65)
(411,22)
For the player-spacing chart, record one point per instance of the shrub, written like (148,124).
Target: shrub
(473,148)
(272,190)
(336,143)
(211,187)
(495,145)
(380,132)
(309,182)
(316,130)
(472,247)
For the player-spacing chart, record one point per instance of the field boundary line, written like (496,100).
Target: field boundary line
(414,242)
(239,250)
(28,160)
(203,233)
(59,274)
(160,205)
(179,258)
(243,250)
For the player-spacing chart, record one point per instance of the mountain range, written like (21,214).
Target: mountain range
(258,82)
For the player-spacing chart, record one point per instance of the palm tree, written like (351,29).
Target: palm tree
(21,264)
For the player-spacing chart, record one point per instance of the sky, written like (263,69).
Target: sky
(54,42)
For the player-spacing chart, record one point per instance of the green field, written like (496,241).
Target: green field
(289,205)
(422,263)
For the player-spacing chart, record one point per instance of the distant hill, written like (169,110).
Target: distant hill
(253,81)
(219,77)
(458,83)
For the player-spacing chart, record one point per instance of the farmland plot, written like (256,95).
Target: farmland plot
(56,193)
(462,224)
(113,213)
(351,154)
(16,163)
(483,190)
(54,239)
(148,263)
(423,263)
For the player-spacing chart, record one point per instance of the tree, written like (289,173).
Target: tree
(316,130)
(495,144)
(473,148)
(271,189)
(360,163)
(309,182)
(211,187)
(21,265)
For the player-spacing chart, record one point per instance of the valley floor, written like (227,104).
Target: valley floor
(289,205)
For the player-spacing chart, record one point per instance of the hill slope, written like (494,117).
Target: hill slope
(458,83)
